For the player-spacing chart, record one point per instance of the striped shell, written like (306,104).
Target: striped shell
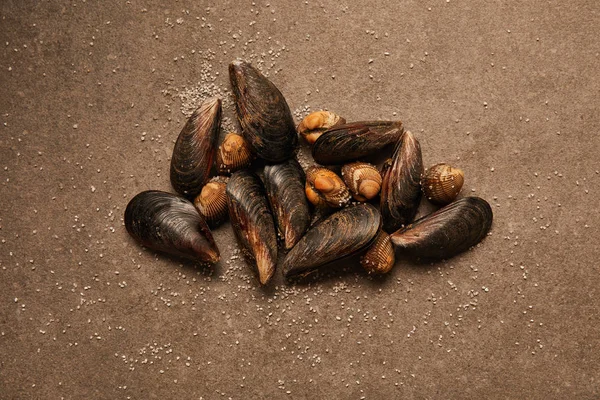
(380,257)
(212,201)
(314,124)
(233,154)
(363,180)
(442,183)
(325,189)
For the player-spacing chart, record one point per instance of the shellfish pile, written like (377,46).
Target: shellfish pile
(363,210)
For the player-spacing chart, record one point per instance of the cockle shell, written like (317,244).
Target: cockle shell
(314,124)
(363,180)
(233,154)
(194,151)
(212,201)
(324,188)
(380,257)
(442,183)
(164,222)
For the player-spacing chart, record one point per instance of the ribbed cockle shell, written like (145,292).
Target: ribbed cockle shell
(363,180)
(233,154)
(212,201)
(380,257)
(324,188)
(442,183)
(314,124)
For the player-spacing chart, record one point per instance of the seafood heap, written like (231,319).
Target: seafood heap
(363,209)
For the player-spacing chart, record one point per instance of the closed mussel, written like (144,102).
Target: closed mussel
(314,124)
(194,151)
(401,188)
(284,184)
(380,257)
(164,222)
(448,231)
(263,114)
(342,234)
(233,154)
(212,201)
(349,142)
(324,188)
(442,183)
(363,180)
(252,222)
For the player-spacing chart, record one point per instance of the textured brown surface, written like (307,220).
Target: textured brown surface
(93,93)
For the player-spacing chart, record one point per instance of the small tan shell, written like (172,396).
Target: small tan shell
(325,189)
(212,201)
(234,154)
(314,124)
(380,257)
(442,183)
(363,180)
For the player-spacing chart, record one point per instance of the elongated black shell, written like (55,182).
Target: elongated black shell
(342,234)
(263,113)
(448,231)
(285,189)
(252,222)
(350,142)
(195,149)
(164,222)
(401,186)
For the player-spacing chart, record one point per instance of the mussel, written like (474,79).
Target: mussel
(442,183)
(212,201)
(350,142)
(363,180)
(448,231)
(325,189)
(164,222)
(263,113)
(380,257)
(401,188)
(344,233)
(314,124)
(284,184)
(252,222)
(233,154)
(194,151)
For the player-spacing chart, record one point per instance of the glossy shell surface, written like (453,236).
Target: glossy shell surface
(212,201)
(324,188)
(380,257)
(314,124)
(442,183)
(363,180)
(233,154)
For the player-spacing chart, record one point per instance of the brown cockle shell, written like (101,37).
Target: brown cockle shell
(314,124)
(324,188)
(212,201)
(401,187)
(284,184)
(380,257)
(194,151)
(233,154)
(252,222)
(342,234)
(350,142)
(442,183)
(164,222)
(448,231)
(263,114)
(363,180)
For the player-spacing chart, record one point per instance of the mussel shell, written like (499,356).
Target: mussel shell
(442,183)
(349,142)
(314,124)
(212,201)
(344,233)
(252,222)
(324,188)
(380,257)
(164,222)
(263,114)
(363,180)
(401,187)
(233,154)
(448,231)
(194,151)
(284,184)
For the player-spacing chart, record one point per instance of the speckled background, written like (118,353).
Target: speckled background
(94,94)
